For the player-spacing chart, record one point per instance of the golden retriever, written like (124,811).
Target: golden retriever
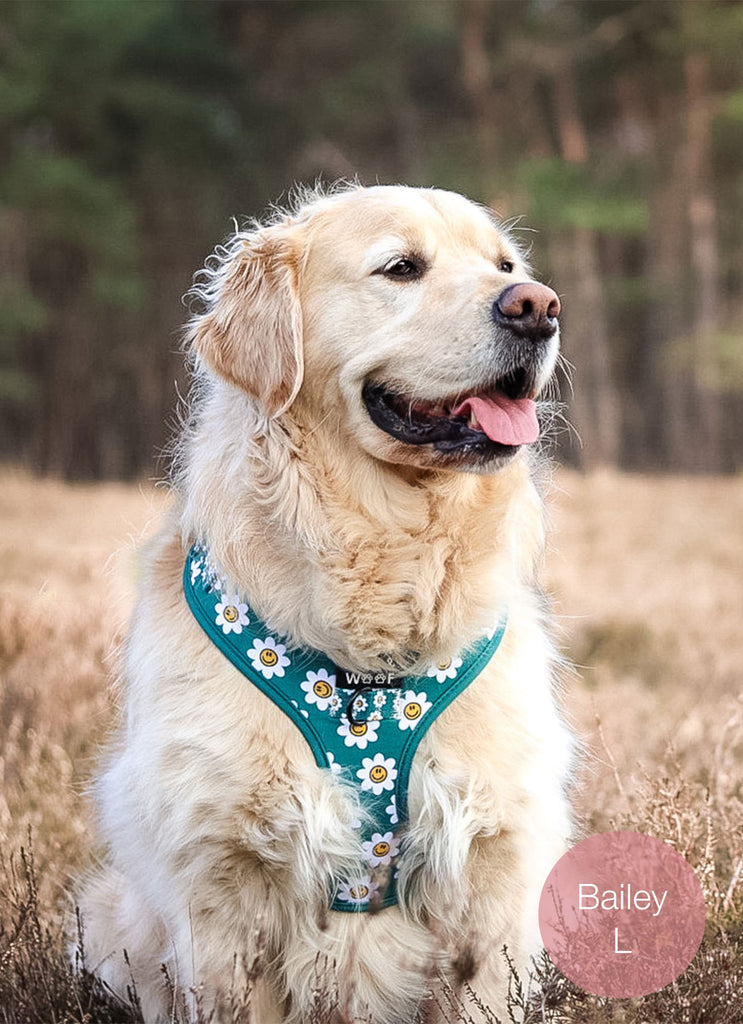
(358,464)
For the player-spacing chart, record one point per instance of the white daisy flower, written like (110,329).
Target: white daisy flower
(360,704)
(333,765)
(391,809)
(231,614)
(319,688)
(335,704)
(358,890)
(380,849)
(378,773)
(445,670)
(380,699)
(360,734)
(196,566)
(375,716)
(268,658)
(412,708)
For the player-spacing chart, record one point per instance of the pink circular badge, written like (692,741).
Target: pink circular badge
(622,914)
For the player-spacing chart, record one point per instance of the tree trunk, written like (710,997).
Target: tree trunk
(477,76)
(702,217)
(594,409)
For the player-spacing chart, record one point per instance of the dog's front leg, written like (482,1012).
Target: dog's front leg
(501,934)
(224,939)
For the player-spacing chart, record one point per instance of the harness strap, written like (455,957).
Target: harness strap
(375,752)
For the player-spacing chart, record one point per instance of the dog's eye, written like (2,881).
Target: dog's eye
(505,267)
(403,267)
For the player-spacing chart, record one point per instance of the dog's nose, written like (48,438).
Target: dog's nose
(530,309)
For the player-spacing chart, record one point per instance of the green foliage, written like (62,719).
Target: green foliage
(564,195)
(729,347)
(732,108)
(17,389)
(134,130)
(21,312)
(66,202)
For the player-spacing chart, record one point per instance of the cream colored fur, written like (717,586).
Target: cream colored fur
(224,834)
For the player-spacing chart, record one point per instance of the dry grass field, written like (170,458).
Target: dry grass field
(646,577)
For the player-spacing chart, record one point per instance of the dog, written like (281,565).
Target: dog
(354,491)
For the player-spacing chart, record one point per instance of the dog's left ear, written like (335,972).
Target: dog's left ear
(251,331)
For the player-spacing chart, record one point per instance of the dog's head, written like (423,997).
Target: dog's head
(405,318)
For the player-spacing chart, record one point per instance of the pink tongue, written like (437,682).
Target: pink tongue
(505,420)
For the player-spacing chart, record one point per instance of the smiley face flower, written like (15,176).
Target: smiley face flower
(319,688)
(445,670)
(359,706)
(268,658)
(380,849)
(231,614)
(411,709)
(378,773)
(358,734)
(358,890)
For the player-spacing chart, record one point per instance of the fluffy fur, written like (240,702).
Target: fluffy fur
(224,834)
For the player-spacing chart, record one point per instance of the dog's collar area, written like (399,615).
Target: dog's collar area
(374,752)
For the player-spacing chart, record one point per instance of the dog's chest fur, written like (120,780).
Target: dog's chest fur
(372,569)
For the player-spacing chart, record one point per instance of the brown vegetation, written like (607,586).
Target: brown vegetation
(647,585)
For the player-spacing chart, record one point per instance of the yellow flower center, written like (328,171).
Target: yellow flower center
(359,892)
(358,728)
(378,773)
(443,665)
(412,710)
(269,657)
(322,688)
(230,613)
(381,849)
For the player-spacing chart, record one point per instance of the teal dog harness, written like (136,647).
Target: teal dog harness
(363,726)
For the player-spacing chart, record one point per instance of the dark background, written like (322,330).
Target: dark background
(132,131)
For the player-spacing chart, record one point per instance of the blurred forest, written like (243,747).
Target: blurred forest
(133,131)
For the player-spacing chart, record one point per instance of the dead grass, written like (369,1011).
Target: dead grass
(648,588)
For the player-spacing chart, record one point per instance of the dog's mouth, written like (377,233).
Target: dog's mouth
(495,421)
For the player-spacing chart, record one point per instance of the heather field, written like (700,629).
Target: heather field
(646,578)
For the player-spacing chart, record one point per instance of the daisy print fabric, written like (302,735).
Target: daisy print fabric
(232,615)
(381,849)
(445,670)
(358,734)
(359,891)
(363,728)
(196,566)
(269,657)
(410,709)
(377,774)
(319,688)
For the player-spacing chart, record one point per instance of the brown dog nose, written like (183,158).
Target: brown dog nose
(530,309)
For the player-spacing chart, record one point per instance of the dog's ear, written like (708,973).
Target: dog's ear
(251,330)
